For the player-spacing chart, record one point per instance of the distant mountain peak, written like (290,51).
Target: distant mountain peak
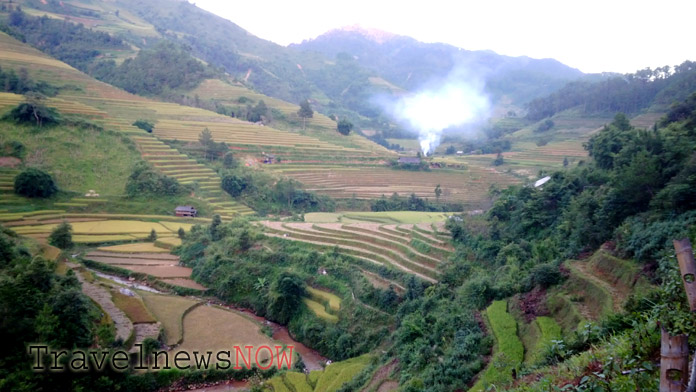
(379,36)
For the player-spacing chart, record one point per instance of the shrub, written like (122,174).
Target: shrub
(344,127)
(33,111)
(545,275)
(145,125)
(35,183)
(144,180)
(61,236)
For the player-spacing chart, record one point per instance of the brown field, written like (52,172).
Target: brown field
(211,328)
(467,186)
(169,310)
(161,271)
(185,282)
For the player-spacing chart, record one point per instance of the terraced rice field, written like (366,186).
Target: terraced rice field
(163,266)
(209,328)
(220,91)
(187,171)
(466,186)
(388,245)
(386,217)
(98,231)
(169,310)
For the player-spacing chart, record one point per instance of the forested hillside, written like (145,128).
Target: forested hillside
(630,93)
(340,72)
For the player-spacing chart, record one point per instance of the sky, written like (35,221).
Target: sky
(591,35)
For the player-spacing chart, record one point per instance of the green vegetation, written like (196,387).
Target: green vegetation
(145,125)
(61,236)
(144,180)
(79,158)
(38,306)
(508,353)
(266,194)
(646,87)
(35,183)
(339,373)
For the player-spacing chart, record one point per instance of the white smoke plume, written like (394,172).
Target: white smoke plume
(455,101)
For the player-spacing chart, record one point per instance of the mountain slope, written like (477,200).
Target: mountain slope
(410,64)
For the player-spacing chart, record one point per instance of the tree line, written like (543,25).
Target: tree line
(628,93)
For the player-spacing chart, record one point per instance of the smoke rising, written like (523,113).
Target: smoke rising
(455,101)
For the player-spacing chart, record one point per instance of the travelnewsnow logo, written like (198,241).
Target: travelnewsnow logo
(247,357)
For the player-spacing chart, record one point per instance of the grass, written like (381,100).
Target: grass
(133,307)
(169,310)
(322,296)
(550,330)
(320,311)
(278,384)
(79,159)
(297,382)
(338,373)
(509,351)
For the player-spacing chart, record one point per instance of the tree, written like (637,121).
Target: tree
(35,183)
(33,110)
(438,192)
(451,150)
(305,112)
(144,180)
(207,142)
(181,233)
(228,160)
(499,160)
(145,125)
(286,297)
(344,127)
(258,112)
(234,185)
(545,126)
(61,236)
(215,233)
(153,236)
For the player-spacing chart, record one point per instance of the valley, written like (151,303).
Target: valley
(172,183)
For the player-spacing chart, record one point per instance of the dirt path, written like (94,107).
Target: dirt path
(124,327)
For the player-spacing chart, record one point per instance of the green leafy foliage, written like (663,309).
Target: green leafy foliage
(33,111)
(61,236)
(144,180)
(145,125)
(626,93)
(166,66)
(267,195)
(269,277)
(68,42)
(344,127)
(36,305)
(35,183)
(21,83)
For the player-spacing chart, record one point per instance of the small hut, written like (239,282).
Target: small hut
(187,211)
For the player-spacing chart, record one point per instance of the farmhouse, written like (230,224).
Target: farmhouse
(185,211)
